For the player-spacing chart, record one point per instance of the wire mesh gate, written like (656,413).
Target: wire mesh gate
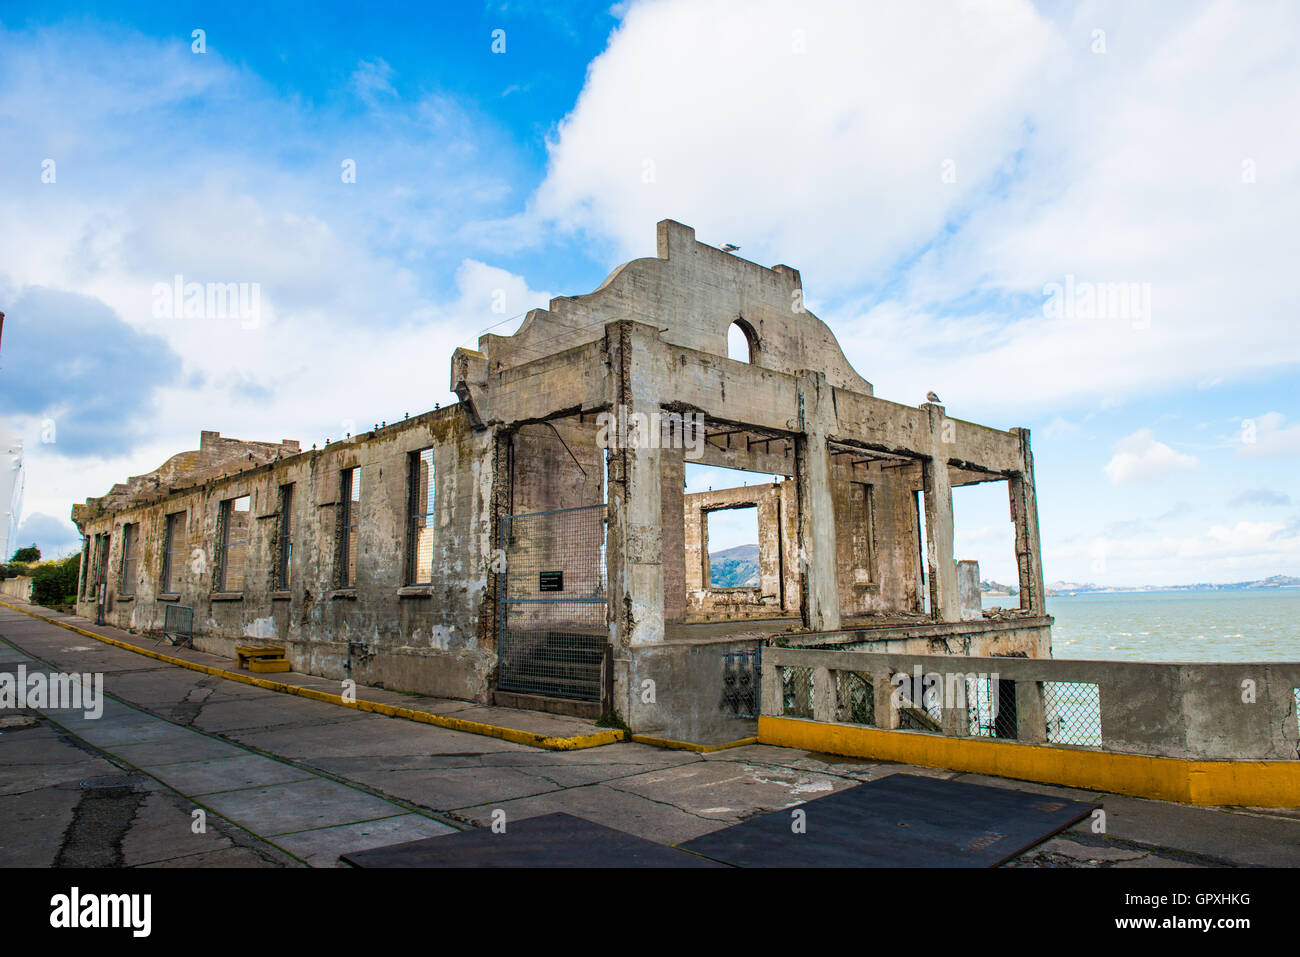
(552,629)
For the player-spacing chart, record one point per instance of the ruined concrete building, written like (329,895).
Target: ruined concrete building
(533,543)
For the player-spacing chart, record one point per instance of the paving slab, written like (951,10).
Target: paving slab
(603,804)
(198,778)
(730,791)
(299,806)
(322,847)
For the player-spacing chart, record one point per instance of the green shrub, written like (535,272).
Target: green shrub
(27,555)
(55,583)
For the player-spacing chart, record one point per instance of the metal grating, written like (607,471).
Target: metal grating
(1073,713)
(178,624)
(855,698)
(740,683)
(796,692)
(552,627)
(913,714)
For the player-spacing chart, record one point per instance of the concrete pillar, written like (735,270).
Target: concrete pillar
(770,690)
(886,713)
(634,544)
(1031,721)
(1024,512)
(823,692)
(955,719)
(821,589)
(945,601)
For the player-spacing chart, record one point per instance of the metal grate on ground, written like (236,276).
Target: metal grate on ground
(552,621)
(1073,713)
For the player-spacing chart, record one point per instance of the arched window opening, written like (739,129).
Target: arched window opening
(740,343)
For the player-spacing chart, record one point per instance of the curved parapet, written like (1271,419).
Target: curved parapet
(693,293)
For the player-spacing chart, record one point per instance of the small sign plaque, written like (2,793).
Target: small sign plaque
(550,581)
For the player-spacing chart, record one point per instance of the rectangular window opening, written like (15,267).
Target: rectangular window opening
(731,553)
(235,527)
(422,525)
(351,501)
(130,558)
(285,538)
(173,554)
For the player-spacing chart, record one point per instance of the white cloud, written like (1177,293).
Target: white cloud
(824,110)
(1220,553)
(1127,166)
(1140,458)
(351,291)
(1267,436)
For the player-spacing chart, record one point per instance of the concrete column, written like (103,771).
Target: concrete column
(1031,721)
(886,713)
(823,692)
(1024,512)
(955,720)
(634,545)
(770,690)
(945,601)
(821,589)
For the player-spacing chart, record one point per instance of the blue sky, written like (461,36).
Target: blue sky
(932,173)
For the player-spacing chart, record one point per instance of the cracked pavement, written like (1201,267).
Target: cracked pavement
(286,781)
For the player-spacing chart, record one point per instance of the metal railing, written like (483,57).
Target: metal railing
(1187,710)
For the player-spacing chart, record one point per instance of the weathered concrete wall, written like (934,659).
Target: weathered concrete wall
(378,630)
(877,553)
(678,689)
(18,587)
(522,439)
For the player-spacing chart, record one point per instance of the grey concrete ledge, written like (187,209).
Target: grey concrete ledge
(415,591)
(227,596)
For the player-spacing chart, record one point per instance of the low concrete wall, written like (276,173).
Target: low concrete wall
(19,587)
(688,684)
(1219,711)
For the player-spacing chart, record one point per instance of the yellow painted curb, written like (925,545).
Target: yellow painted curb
(513,735)
(1240,783)
(673,745)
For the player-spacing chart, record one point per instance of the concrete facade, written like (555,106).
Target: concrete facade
(601,400)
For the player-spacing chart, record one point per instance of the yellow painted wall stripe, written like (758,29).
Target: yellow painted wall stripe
(1241,783)
(377,707)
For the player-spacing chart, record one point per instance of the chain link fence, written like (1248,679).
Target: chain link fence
(552,620)
(797,692)
(1073,713)
(855,698)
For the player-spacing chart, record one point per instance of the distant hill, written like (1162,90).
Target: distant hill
(1088,588)
(995,588)
(734,567)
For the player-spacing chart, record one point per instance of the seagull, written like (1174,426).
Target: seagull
(729,247)
(931,397)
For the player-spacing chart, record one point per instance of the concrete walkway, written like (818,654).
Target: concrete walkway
(284,780)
